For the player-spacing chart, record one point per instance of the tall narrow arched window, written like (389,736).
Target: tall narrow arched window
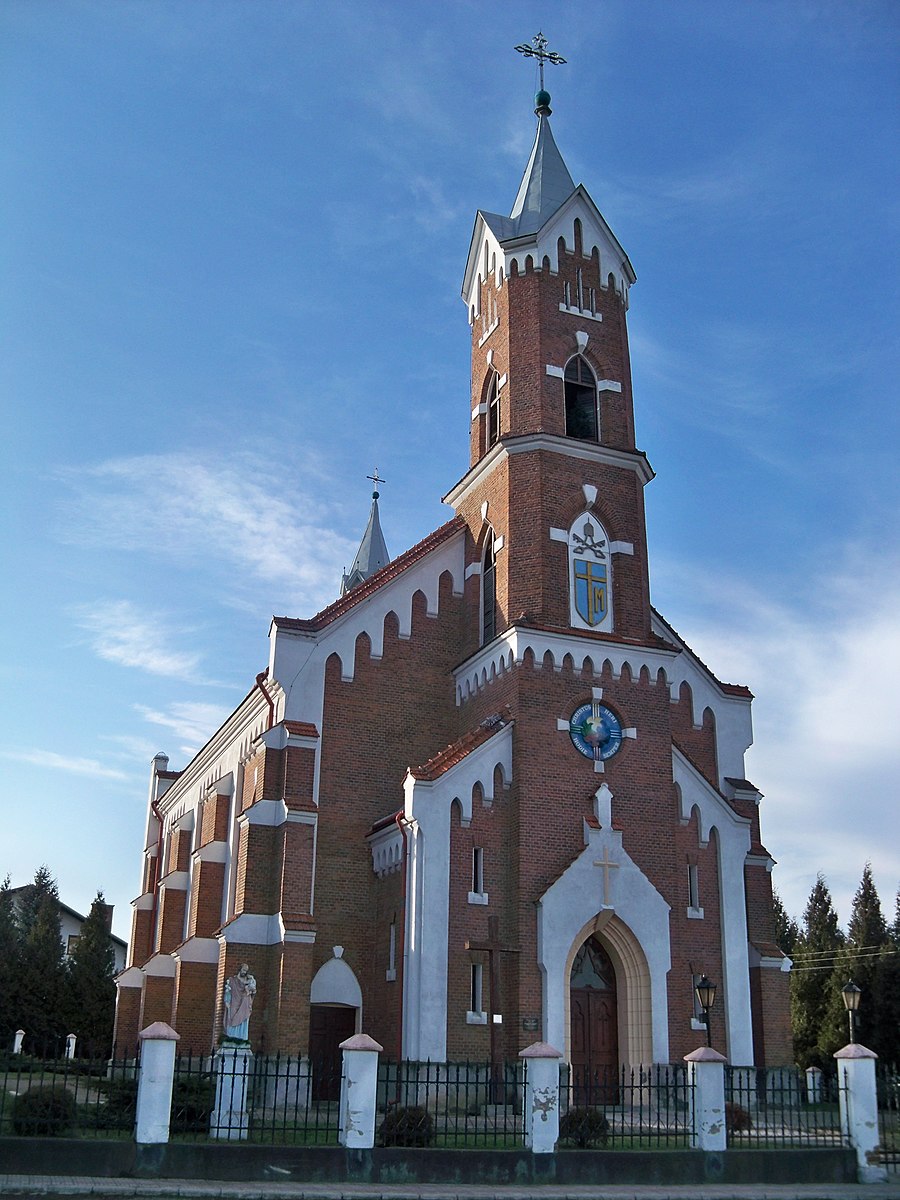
(492,402)
(488,592)
(581,401)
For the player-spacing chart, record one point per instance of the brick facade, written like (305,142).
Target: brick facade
(306,853)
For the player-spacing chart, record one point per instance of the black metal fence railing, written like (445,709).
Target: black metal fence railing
(887,1082)
(277,1099)
(773,1109)
(455,1105)
(626,1108)
(64,1097)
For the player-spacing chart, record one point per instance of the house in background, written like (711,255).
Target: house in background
(70,923)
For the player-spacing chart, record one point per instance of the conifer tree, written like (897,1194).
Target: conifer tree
(787,931)
(866,940)
(92,990)
(41,966)
(887,988)
(9,967)
(812,985)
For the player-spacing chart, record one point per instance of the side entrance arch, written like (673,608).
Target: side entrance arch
(594,1025)
(334,1015)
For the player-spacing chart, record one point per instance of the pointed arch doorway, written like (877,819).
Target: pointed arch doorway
(594,1025)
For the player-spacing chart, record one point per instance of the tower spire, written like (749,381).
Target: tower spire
(373,552)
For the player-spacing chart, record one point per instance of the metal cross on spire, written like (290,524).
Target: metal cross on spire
(538,49)
(376,479)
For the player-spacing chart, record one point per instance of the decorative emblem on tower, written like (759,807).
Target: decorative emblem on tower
(589,567)
(596,731)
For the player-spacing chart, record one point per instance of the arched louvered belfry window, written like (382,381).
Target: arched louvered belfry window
(581,401)
(492,403)
(488,591)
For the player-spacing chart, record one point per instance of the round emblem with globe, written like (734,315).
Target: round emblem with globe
(596,731)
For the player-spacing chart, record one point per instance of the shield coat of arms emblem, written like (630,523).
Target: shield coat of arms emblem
(590,587)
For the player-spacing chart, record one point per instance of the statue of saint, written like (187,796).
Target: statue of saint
(239,992)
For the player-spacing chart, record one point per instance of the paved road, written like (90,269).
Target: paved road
(150,1189)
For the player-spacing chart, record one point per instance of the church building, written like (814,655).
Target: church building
(488,796)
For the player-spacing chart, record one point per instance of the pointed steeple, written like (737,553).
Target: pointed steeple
(546,183)
(373,552)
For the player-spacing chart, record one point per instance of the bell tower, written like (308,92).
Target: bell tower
(554,494)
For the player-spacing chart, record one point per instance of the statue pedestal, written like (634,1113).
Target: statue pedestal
(230,1118)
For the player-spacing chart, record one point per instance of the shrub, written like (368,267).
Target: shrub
(737,1119)
(584,1126)
(406,1127)
(193,1099)
(44,1112)
(119,1110)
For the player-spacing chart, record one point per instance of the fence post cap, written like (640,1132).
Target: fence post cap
(540,1050)
(855,1050)
(159,1031)
(818,1070)
(361,1041)
(705,1054)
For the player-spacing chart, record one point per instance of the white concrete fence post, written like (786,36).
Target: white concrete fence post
(858,1100)
(706,1073)
(71,1039)
(155,1080)
(541,1097)
(359,1086)
(18,1040)
(814,1085)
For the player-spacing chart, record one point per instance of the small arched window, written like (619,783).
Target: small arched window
(488,592)
(492,401)
(581,401)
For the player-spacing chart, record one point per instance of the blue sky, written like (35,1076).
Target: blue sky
(233,241)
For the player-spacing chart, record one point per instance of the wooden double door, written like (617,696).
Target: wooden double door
(594,1027)
(329,1025)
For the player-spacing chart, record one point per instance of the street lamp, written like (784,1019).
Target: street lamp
(705,991)
(851,995)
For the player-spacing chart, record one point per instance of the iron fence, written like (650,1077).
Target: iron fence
(887,1081)
(456,1105)
(626,1108)
(278,1099)
(67,1097)
(773,1109)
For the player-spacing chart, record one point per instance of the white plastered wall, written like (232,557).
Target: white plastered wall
(733,840)
(634,924)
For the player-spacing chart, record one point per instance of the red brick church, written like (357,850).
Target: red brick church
(488,796)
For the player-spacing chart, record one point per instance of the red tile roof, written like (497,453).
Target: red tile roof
(301,728)
(394,568)
(741,785)
(457,751)
(769,950)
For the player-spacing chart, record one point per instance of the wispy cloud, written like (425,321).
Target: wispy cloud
(206,512)
(122,634)
(194,723)
(53,761)
(824,668)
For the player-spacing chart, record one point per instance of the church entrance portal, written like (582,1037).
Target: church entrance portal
(594,1026)
(329,1025)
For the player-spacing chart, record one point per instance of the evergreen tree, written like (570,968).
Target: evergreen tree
(41,966)
(866,940)
(887,987)
(811,981)
(92,990)
(787,931)
(9,967)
